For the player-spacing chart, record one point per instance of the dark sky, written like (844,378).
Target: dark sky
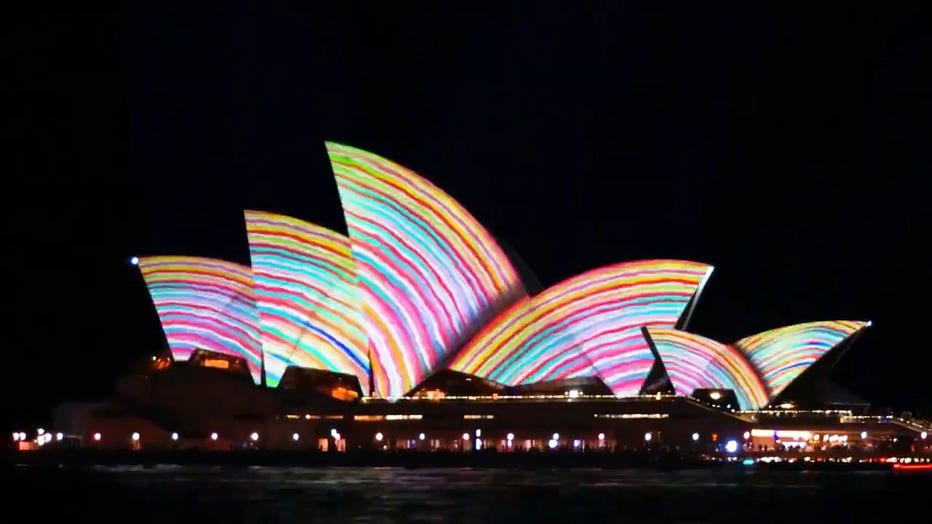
(787,145)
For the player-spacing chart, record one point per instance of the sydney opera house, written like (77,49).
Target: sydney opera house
(416,330)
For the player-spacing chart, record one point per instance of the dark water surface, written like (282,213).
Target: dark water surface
(172,494)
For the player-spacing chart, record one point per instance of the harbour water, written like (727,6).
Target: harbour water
(167,494)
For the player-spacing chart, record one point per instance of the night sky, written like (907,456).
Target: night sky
(787,146)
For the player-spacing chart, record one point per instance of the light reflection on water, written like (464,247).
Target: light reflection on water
(268,494)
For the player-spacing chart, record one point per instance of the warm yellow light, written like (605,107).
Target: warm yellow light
(782,434)
(216,363)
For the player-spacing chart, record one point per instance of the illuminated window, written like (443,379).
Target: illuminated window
(431,394)
(341,393)
(216,363)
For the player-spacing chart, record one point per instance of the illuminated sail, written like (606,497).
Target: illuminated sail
(205,303)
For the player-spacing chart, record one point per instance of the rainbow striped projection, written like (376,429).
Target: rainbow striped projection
(693,362)
(588,325)
(781,355)
(205,303)
(429,273)
(306,292)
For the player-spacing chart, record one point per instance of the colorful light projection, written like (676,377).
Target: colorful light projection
(204,303)
(588,325)
(429,273)
(781,355)
(693,362)
(307,295)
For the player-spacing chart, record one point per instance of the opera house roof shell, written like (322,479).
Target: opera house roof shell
(418,285)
